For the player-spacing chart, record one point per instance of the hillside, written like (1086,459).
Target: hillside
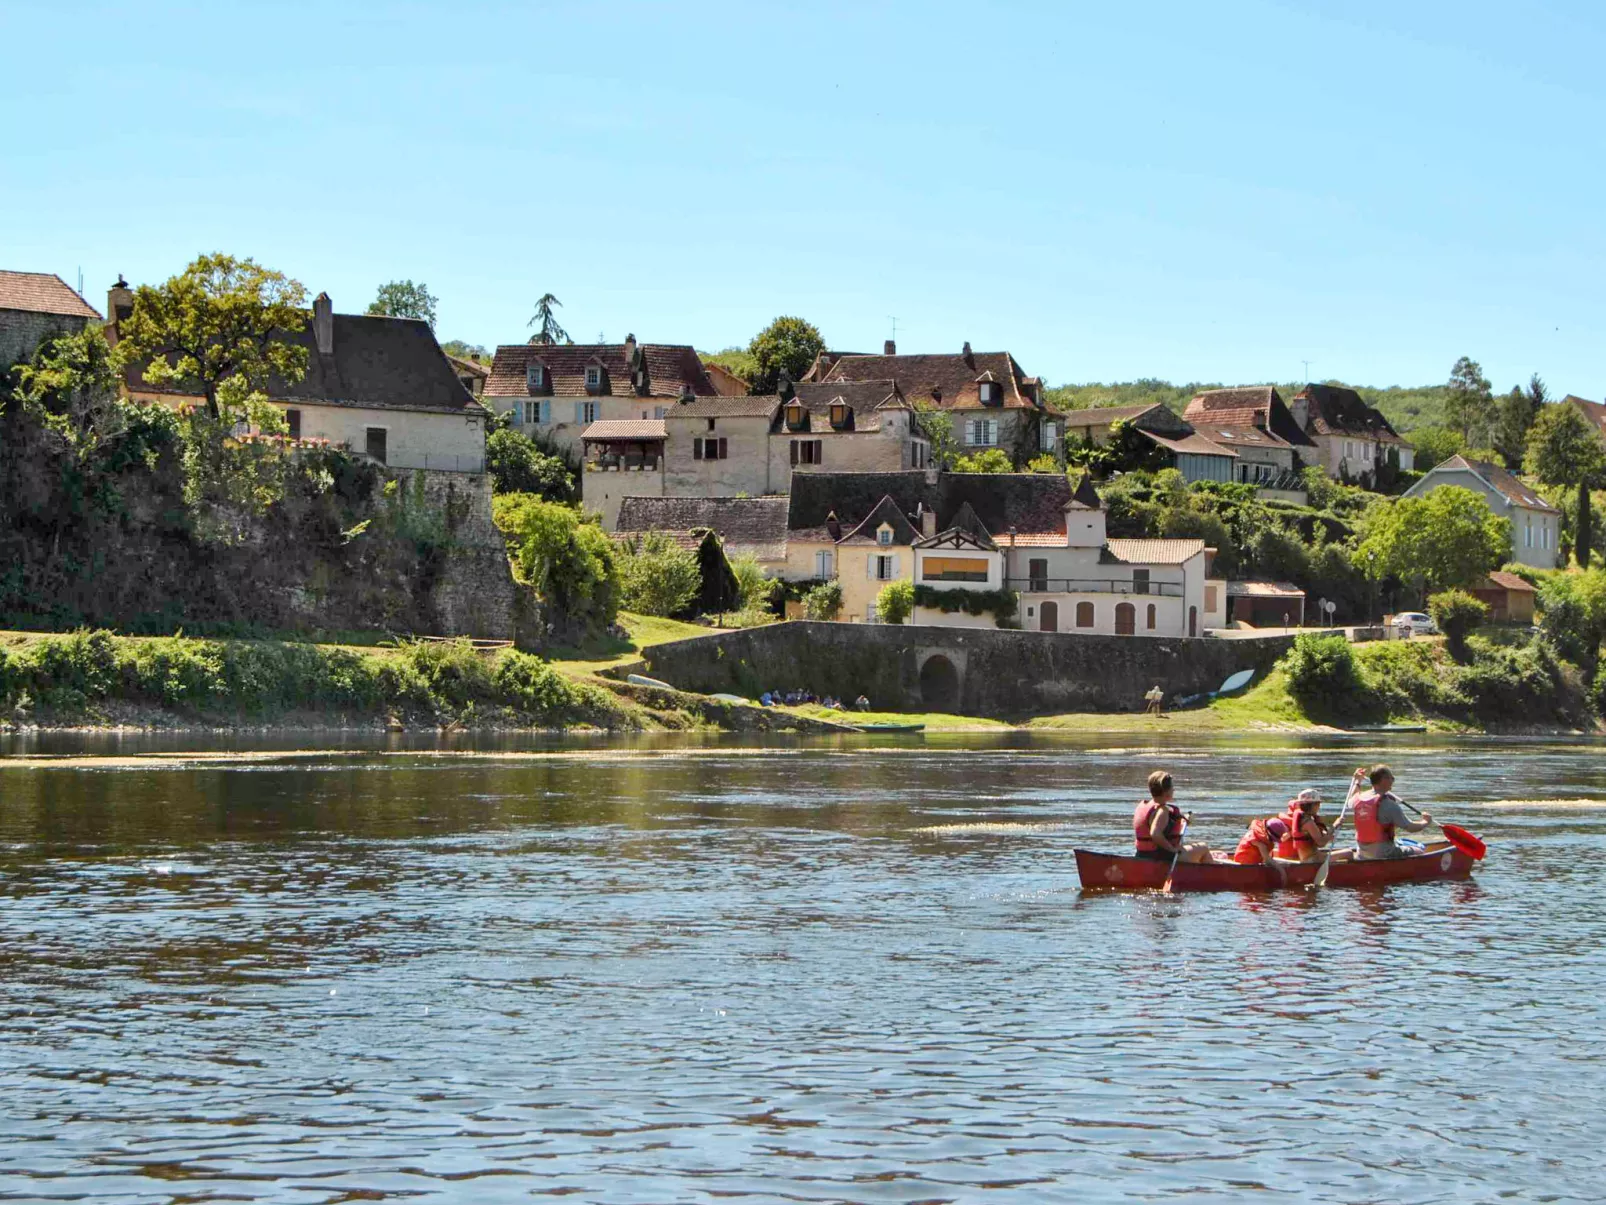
(1406,406)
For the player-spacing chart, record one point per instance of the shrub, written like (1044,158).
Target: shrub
(992,460)
(896,602)
(1001,604)
(451,671)
(518,465)
(823,601)
(755,591)
(80,666)
(657,576)
(1323,676)
(532,685)
(568,560)
(1457,613)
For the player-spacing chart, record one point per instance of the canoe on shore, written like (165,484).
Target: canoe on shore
(889,727)
(1118,872)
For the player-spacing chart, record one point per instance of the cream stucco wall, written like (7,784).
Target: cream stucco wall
(855,569)
(1330,455)
(567,424)
(1108,585)
(602,490)
(744,470)
(1535,534)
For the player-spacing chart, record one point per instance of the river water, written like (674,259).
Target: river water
(697,972)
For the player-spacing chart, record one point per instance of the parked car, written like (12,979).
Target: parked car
(1414,623)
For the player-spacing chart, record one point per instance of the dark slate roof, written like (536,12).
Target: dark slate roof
(1084,495)
(671,368)
(1029,502)
(726,407)
(42,293)
(1249,416)
(863,400)
(755,525)
(378,362)
(951,382)
(1337,410)
(886,512)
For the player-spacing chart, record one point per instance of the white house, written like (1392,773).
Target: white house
(1535,524)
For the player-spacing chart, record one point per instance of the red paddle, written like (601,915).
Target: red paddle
(1177,857)
(1468,843)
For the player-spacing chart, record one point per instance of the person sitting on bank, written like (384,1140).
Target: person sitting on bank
(1307,835)
(1260,840)
(862,703)
(1157,825)
(1378,815)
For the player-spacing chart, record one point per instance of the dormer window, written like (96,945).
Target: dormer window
(991,393)
(794,415)
(883,536)
(535,377)
(593,376)
(839,414)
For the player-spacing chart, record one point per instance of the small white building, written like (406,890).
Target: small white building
(1535,523)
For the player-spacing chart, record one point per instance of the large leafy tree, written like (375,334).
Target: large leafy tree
(1469,407)
(545,321)
(518,466)
(222,324)
(786,345)
(1448,537)
(1564,449)
(404,299)
(1514,418)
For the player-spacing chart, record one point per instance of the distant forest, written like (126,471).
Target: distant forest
(1407,408)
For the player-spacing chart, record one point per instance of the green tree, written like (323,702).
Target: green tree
(938,426)
(1517,412)
(896,602)
(1130,451)
(567,558)
(404,299)
(786,345)
(756,590)
(1469,407)
(988,460)
(824,601)
(518,466)
(1573,616)
(657,576)
(1565,450)
(1435,445)
(736,360)
(222,319)
(72,381)
(463,350)
(1457,613)
(547,331)
(1447,537)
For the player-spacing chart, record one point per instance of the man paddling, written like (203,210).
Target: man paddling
(1157,825)
(1378,815)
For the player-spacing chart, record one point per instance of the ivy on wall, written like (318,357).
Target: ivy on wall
(1001,604)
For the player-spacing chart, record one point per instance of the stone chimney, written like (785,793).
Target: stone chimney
(890,347)
(833,525)
(630,350)
(970,356)
(119,300)
(323,324)
(1300,409)
(928,521)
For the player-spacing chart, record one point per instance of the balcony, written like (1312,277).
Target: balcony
(1094,585)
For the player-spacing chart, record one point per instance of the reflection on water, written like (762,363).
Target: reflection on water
(857,971)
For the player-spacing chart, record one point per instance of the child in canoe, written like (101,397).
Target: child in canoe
(1260,841)
(1158,825)
(1307,834)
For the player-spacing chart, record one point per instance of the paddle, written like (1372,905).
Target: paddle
(1327,862)
(1176,857)
(1468,843)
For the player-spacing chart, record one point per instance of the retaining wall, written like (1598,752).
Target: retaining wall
(964,670)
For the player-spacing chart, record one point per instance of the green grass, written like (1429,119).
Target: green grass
(933,720)
(645,631)
(1266,705)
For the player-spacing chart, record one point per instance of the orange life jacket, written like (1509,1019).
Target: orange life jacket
(1143,820)
(1246,852)
(1369,830)
(1296,845)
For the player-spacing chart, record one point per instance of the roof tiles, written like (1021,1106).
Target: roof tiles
(671,368)
(42,293)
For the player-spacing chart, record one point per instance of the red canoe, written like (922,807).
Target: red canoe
(1117,872)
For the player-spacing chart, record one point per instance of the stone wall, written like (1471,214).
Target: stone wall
(969,671)
(21,331)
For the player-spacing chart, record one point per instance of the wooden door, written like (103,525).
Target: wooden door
(1049,617)
(1126,619)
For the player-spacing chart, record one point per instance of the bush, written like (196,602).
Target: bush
(451,671)
(74,668)
(1000,604)
(756,592)
(896,602)
(657,576)
(1323,676)
(823,601)
(533,686)
(1457,613)
(992,460)
(518,465)
(568,560)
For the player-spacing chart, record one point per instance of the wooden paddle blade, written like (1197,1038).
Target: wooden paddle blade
(1321,874)
(1468,843)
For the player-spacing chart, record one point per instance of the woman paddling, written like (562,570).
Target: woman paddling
(1158,824)
(1307,834)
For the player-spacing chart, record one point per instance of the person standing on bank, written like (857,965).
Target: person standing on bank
(1378,815)
(1157,825)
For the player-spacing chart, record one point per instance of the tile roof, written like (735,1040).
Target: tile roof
(1337,410)
(378,362)
(1195,444)
(670,367)
(726,407)
(1501,580)
(755,526)
(1234,428)
(42,293)
(624,428)
(1264,590)
(1593,411)
(1104,416)
(1509,487)
(951,382)
(475,368)
(1248,416)
(1034,539)
(1029,502)
(863,399)
(1153,552)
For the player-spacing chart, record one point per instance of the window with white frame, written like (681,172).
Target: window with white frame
(535,376)
(990,392)
(883,536)
(822,563)
(884,568)
(1366,451)
(587,412)
(1048,437)
(919,455)
(981,432)
(659,411)
(593,376)
(1528,534)
(1349,449)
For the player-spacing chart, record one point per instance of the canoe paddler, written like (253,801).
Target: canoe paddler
(1379,815)
(1259,842)
(1158,825)
(1307,834)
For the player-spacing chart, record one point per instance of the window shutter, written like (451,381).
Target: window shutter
(794,451)
(696,449)
(895,565)
(722,447)
(869,566)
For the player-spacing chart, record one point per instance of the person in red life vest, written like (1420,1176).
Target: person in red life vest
(1256,846)
(1378,816)
(1157,825)
(1307,834)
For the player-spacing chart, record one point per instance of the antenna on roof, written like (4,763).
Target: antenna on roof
(1306,363)
(892,318)
(80,282)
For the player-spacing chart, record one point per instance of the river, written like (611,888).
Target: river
(861,971)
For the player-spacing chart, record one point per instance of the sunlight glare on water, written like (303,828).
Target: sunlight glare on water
(813,973)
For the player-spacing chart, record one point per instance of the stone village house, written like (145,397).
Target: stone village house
(377,385)
(992,402)
(1352,439)
(556,391)
(34,307)
(1031,533)
(753,527)
(1535,523)
(1254,424)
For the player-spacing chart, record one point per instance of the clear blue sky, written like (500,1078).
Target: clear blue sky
(1181,190)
